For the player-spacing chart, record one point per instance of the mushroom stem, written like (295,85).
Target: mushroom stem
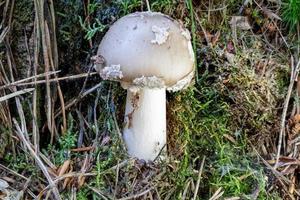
(145,122)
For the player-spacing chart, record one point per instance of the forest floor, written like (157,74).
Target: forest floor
(233,134)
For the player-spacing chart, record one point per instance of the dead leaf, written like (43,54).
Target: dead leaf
(295,119)
(83,149)
(66,182)
(3,184)
(64,167)
(230,47)
(81,181)
(289,169)
(285,161)
(230,57)
(270,14)
(292,186)
(215,38)
(240,22)
(230,138)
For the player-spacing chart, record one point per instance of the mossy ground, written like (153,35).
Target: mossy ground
(233,108)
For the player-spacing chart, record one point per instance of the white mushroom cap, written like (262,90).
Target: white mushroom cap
(147,46)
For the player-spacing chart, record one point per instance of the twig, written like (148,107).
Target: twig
(96,140)
(72,77)
(203,30)
(13,172)
(14,94)
(199,178)
(42,22)
(148,5)
(3,74)
(116,180)
(137,195)
(61,98)
(81,131)
(275,24)
(77,99)
(119,131)
(74,174)
(3,34)
(47,161)
(189,180)
(275,172)
(11,66)
(294,75)
(38,160)
(4,14)
(15,83)
(55,52)
(217,194)
(35,129)
(97,191)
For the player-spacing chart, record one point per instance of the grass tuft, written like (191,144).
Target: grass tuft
(290,13)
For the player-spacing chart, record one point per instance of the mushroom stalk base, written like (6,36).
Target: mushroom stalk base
(145,123)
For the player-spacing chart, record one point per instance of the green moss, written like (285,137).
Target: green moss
(23,14)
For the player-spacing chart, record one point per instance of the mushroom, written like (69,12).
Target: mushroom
(149,53)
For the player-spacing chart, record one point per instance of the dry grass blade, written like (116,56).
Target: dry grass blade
(81,179)
(64,167)
(15,83)
(199,178)
(278,29)
(13,172)
(3,34)
(148,5)
(232,198)
(65,176)
(187,186)
(116,180)
(74,174)
(68,78)
(217,194)
(5,12)
(11,66)
(38,160)
(14,94)
(275,172)
(54,42)
(61,98)
(76,100)
(293,78)
(98,192)
(35,129)
(137,195)
(41,20)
